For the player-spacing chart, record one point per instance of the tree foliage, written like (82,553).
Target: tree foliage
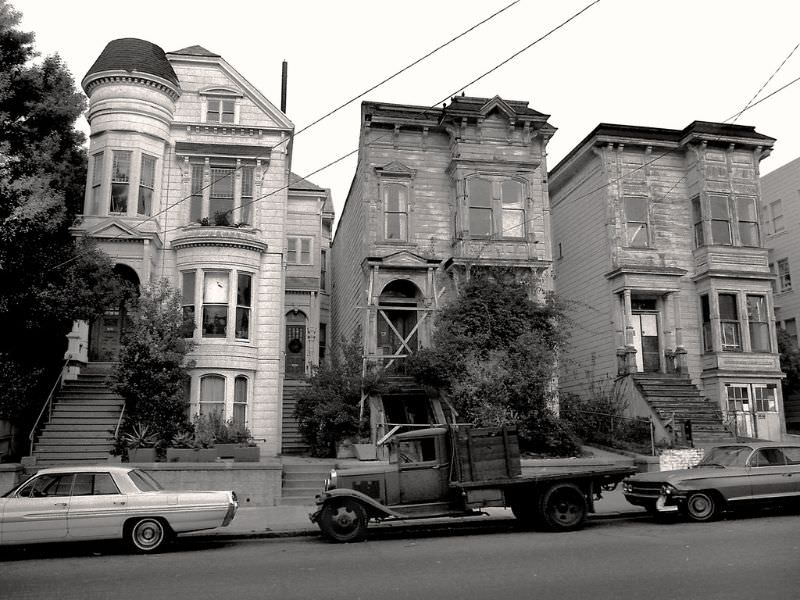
(46,280)
(328,409)
(494,353)
(152,372)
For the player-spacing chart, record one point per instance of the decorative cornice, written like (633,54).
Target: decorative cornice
(144,79)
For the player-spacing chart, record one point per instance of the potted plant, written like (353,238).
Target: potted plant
(140,443)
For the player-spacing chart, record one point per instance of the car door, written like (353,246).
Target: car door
(769,478)
(38,511)
(792,454)
(97,509)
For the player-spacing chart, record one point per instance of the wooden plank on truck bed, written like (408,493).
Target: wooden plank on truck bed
(487,453)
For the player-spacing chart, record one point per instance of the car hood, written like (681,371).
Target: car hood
(685,474)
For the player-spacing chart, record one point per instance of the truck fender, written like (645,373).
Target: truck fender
(372,506)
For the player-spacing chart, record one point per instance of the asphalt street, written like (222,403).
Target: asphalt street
(743,557)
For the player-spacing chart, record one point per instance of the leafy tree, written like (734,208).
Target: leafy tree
(46,280)
(152,371)
(328,410)
(494,353)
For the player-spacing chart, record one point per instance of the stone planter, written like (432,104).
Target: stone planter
(247,454)
(191,455)
(225,450)
(345,449)
(366,451)
(141,455)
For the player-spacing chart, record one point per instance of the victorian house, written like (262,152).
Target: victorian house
(780,219)
(437,192)
(189,180)
(659,249)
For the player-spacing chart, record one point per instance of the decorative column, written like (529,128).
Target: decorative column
(680,349)
(669,332)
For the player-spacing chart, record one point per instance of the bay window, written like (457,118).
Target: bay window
(221,305)
(720,220)
(97,183)
(705,310)
(496,207)
(697,219)
(732,220)
(747,217)
(216,199)
(239,416)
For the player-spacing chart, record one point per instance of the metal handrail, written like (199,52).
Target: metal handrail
(119,421)
(48,404)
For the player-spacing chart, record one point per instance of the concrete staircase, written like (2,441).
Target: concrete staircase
(84,417)
(676,394)
(292,442)
(303,479)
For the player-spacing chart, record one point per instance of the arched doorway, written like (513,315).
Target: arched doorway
(398,319)
(106,331)
(295,345)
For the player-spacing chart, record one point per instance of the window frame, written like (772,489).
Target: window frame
(743,223)
(194,304)
(147,186)
(400,212)
(120,181)
(219,101)
(240,402)
(98,174)
(208,377)
(762,324)
(733,323)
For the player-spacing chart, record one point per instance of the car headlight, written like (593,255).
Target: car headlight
(627,488)
(667,489)
(330,482)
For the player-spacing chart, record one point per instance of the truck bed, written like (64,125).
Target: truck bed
(548,474)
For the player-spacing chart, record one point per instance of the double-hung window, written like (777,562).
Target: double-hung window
(239,416)
(97,183)
(218,308)
(395,212)
(784,276)
(747,217)
(480,207)
(243,303)
(776,217)
(758,323)
(636,222)
(298,251)
(705,309)
(220,204)
(212,395)
(246,203)
(187,302)
(720,220)
(729,323)
(215,303)
(697,220)
(120,181)
(147,184)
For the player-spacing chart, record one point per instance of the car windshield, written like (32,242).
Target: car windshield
(143,481)
(726,456)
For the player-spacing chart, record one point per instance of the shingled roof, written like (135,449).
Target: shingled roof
(136,56)
(196,51)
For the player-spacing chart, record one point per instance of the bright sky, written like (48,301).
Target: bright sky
(660,63)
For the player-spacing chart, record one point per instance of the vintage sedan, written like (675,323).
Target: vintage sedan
(107,502)
(727,477)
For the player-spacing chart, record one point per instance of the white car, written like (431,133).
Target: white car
(107,502)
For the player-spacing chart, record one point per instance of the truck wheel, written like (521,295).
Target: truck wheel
(563,507)
(701,506)
(343,520)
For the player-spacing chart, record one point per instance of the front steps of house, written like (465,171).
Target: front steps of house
(303,479)
(676,395)
(84,417)
(292,443)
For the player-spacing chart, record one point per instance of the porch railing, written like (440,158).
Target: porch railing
(47,407)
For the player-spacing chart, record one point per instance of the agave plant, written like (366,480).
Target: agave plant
(139,436)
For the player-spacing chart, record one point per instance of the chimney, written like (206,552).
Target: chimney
(284,75)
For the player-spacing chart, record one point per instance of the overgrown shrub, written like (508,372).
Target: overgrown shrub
(152,371)
(601,419)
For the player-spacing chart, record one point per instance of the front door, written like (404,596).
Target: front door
(645,340)
(295,351)
(105,335)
